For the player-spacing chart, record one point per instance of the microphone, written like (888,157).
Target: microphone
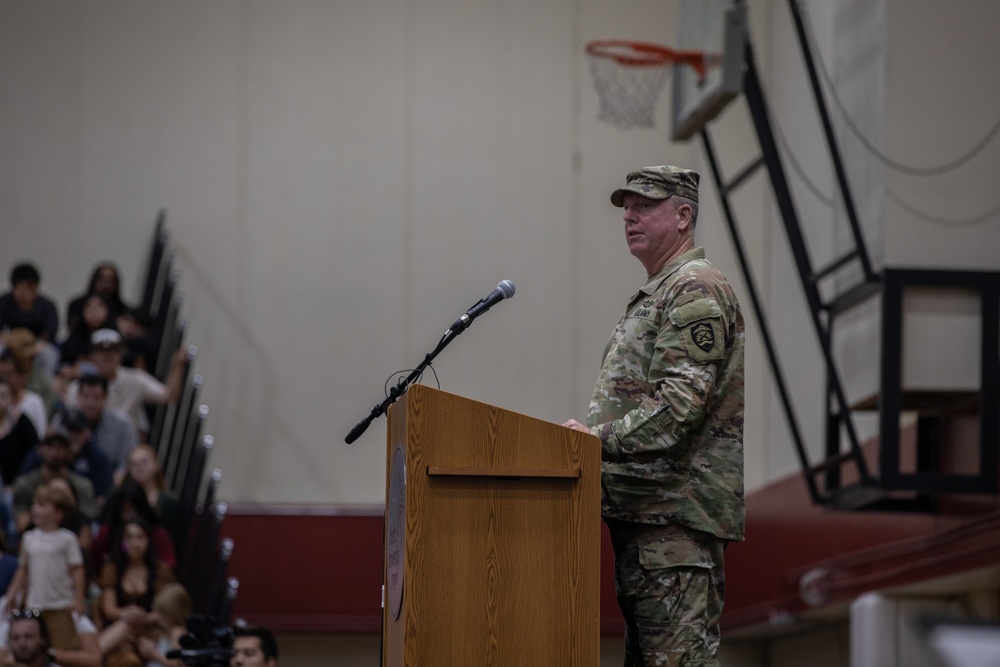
(504,290)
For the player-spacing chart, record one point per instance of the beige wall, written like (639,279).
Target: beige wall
(344,179)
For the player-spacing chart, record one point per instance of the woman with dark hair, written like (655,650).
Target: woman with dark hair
(105,280)
(95,313)
(126,503)
(129,583)
(134,575)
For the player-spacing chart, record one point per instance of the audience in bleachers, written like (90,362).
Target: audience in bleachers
(140,349)
(128,502)
(83,503)
(95,314)
(15,645)
(55,456)
(74,520)
(144,469)
(106,282)
(86,458)
(171,608)
(8,565)
(254,646)
(27,351)
(50,575)
(17,434)
(89,653)
(17,372)
(129,583)
(27,640)
(24,306)
(129,389)
(112,433)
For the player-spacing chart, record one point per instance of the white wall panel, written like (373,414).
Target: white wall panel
(344,179)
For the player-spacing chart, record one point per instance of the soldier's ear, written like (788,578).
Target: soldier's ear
(684,215)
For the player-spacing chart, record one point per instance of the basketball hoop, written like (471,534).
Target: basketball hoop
(629,77)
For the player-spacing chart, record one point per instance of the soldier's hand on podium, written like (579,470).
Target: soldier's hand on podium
(576,426)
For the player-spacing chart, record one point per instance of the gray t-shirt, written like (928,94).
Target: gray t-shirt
(49,555)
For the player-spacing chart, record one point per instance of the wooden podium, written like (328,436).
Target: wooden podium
(492,537)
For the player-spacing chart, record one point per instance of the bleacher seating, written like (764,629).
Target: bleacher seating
(182,450)
(176,434)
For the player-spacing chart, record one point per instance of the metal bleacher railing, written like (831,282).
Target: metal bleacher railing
(182,450)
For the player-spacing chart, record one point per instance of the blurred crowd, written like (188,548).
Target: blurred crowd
(87,526)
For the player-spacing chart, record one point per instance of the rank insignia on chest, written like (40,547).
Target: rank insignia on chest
(703,336)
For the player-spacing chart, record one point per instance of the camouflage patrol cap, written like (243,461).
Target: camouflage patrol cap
(659,183)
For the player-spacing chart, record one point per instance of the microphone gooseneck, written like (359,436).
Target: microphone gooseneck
(504,290)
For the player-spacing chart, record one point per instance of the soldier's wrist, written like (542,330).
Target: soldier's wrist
(609,443)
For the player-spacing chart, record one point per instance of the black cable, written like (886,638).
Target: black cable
(895,197)
(889,192)
(871,148)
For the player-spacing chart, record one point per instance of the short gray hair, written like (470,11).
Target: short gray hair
(680,201)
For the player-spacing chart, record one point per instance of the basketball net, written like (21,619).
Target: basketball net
(629,77)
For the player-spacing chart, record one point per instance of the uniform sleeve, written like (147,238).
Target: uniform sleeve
(681,379)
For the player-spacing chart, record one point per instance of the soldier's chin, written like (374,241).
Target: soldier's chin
(637,249)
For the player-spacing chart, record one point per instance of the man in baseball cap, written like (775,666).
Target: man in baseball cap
(668,408)
(659,183)
(128,389)
(105,339)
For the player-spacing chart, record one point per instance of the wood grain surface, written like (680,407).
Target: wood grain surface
(502,549)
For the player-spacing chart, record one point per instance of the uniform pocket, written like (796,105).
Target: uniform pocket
(672,552)
(699,325)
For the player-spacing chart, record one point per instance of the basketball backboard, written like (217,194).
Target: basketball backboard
(717,28)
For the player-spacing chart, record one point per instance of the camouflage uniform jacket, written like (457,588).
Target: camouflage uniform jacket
(668,404)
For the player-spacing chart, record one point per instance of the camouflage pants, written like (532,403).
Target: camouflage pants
(671,586)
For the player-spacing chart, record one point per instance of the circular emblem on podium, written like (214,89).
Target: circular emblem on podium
(395,540)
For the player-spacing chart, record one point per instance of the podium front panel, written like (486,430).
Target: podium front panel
(502,537)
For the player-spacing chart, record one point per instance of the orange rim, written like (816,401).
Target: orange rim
(644,54)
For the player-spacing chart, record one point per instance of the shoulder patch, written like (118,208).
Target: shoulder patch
(703,336)
(699,325)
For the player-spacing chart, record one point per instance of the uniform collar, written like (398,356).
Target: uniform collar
(668,269)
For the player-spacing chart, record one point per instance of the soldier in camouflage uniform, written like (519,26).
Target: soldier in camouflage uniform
(668,408)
